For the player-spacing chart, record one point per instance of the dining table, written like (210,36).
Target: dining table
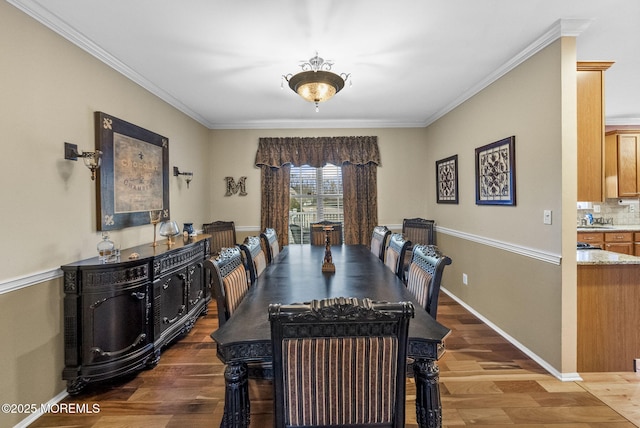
(296,276)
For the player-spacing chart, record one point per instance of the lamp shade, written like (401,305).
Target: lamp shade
(316,86)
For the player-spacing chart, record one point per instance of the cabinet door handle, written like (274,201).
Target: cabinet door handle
(138,295)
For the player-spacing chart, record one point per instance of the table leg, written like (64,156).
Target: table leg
(236,397)
(428,404)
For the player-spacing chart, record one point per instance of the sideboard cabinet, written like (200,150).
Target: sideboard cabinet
(118,316)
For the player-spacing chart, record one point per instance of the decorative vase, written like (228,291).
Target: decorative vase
(188,228)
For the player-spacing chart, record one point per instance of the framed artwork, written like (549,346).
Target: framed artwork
(496,173)
(447,180)
(133,178)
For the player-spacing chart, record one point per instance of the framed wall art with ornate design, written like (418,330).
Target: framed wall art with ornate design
(134,176)
(447,180)
(496,173)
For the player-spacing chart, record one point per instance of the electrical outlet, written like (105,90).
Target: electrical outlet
(596,209)
(465,279)
(632,208)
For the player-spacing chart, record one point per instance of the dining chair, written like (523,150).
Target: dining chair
(270,243)
(379,238)
(425,276)
(394,254)
(340,362)
(223,234)
(419,230)
(228,281)
(254,257)
(318,234)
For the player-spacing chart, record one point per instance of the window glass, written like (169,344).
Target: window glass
(316,195)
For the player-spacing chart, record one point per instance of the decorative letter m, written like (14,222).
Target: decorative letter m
(233,188)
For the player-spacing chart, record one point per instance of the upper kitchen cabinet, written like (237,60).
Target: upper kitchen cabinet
(622,163)
(591,129)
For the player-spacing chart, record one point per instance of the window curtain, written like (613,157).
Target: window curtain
(274,210)
(359,158)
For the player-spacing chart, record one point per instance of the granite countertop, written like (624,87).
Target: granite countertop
(610,228)
(602,257)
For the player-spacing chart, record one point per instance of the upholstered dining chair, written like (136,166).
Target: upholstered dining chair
(318,234)
(339,362)
(254,257)
(419,230)
(223,235)
(425,276)
(270,243)
(228,281)
(395,252)
(379,238)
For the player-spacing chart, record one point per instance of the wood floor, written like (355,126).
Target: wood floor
(485,382)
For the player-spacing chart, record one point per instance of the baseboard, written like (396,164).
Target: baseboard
(565,377)
(35,415)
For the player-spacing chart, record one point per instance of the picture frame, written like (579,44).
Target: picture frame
(447,180)
(133,178)
(496,173)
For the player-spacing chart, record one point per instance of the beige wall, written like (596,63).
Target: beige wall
(522,295)
(50,89)
(401,192)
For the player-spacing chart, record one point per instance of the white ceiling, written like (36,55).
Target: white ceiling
(411,61)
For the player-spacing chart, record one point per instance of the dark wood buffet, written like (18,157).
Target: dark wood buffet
(118,316)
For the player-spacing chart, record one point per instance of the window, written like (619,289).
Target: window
(316,195)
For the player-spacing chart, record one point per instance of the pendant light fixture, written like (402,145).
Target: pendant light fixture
(316,82)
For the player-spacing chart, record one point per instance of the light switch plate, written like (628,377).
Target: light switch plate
(546,217)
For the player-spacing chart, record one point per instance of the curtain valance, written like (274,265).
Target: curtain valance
(317,151)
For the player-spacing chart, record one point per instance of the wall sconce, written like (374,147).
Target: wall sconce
(188,176)
(92,160)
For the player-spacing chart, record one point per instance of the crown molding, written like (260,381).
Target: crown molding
(622,121)
(561,28)
(51,21)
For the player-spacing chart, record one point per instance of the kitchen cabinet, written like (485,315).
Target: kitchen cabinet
(622,163)
(619,242)
(118,316)
(590,120)
(608,317)
(594,238)
(636,244)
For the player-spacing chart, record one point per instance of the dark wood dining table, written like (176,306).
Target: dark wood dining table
(296,276)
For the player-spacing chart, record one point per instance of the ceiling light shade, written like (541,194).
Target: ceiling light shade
(316,83)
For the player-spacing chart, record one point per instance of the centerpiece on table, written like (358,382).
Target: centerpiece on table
(327,264)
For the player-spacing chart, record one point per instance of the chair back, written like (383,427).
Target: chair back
(228,281)
(318,235)
(394,255)
(379,239)
(340,362)
(419,230)
(270,243)
(223,235)
(254,257)
(425,276)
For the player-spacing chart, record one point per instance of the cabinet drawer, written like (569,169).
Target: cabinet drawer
(591,237)
(636,237)
(620,247)
(618,237)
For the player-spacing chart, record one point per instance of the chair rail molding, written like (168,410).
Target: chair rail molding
(29,280)
(544,256)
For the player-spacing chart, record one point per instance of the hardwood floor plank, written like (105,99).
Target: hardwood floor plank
(485,382)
